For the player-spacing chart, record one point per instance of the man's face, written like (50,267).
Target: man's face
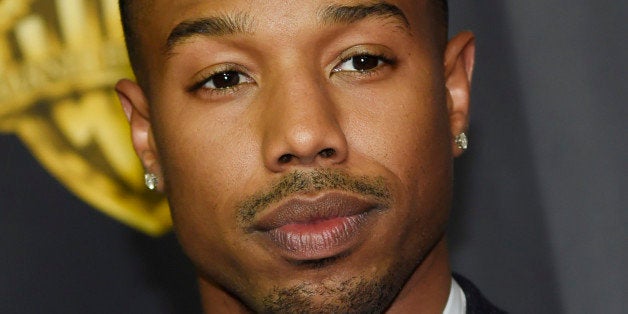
(305,146)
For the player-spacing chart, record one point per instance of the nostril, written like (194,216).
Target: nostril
(326,153)
(286,158)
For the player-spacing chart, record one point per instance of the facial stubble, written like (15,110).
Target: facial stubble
(365,293)
(354,295)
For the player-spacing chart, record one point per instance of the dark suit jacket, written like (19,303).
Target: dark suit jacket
(476,302)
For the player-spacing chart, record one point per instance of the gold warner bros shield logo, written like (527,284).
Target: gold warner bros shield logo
(59,60)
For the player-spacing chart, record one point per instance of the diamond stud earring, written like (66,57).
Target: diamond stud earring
(462,141)
(151,181)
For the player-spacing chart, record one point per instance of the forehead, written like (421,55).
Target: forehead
(183,7)
(158,18)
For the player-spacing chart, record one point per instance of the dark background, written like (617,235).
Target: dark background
(539,217)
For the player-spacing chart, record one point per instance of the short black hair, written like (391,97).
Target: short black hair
(130,36)
(445,7)
(128,17)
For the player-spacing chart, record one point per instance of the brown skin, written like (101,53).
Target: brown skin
(214,150)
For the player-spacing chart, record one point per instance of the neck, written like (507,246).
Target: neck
(427,290)
(216,300)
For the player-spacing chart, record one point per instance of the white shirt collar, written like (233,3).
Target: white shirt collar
(457,302)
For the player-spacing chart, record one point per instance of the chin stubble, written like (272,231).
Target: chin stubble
(353,295)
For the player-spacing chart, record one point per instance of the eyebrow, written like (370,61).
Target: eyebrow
(215,26)
(242,23)
(347,14)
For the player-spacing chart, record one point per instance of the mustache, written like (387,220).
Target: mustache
(306,182)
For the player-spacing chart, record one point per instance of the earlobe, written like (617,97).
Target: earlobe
(136,110)
(459,62)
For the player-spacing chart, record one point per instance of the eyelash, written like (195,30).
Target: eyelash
(200,85)
(381,58)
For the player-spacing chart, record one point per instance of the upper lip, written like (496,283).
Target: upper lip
(302,210)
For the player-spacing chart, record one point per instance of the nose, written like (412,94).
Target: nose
(302,127)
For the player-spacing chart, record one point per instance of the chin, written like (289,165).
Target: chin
(349,292)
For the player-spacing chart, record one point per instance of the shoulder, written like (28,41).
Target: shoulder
(476,302)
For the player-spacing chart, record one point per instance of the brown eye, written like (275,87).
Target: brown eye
(364,63)
(223,80)
(361,63)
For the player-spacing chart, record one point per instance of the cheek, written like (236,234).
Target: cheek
(207,164)
(205,156)
(404,128)
(206,144)
(404,131)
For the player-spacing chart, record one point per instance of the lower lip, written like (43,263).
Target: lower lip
(318,239)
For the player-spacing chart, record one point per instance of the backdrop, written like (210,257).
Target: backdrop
(539,217)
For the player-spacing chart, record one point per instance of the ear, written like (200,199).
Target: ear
(136,108)
(459,60)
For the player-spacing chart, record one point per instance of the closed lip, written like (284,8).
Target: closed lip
(312,228)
